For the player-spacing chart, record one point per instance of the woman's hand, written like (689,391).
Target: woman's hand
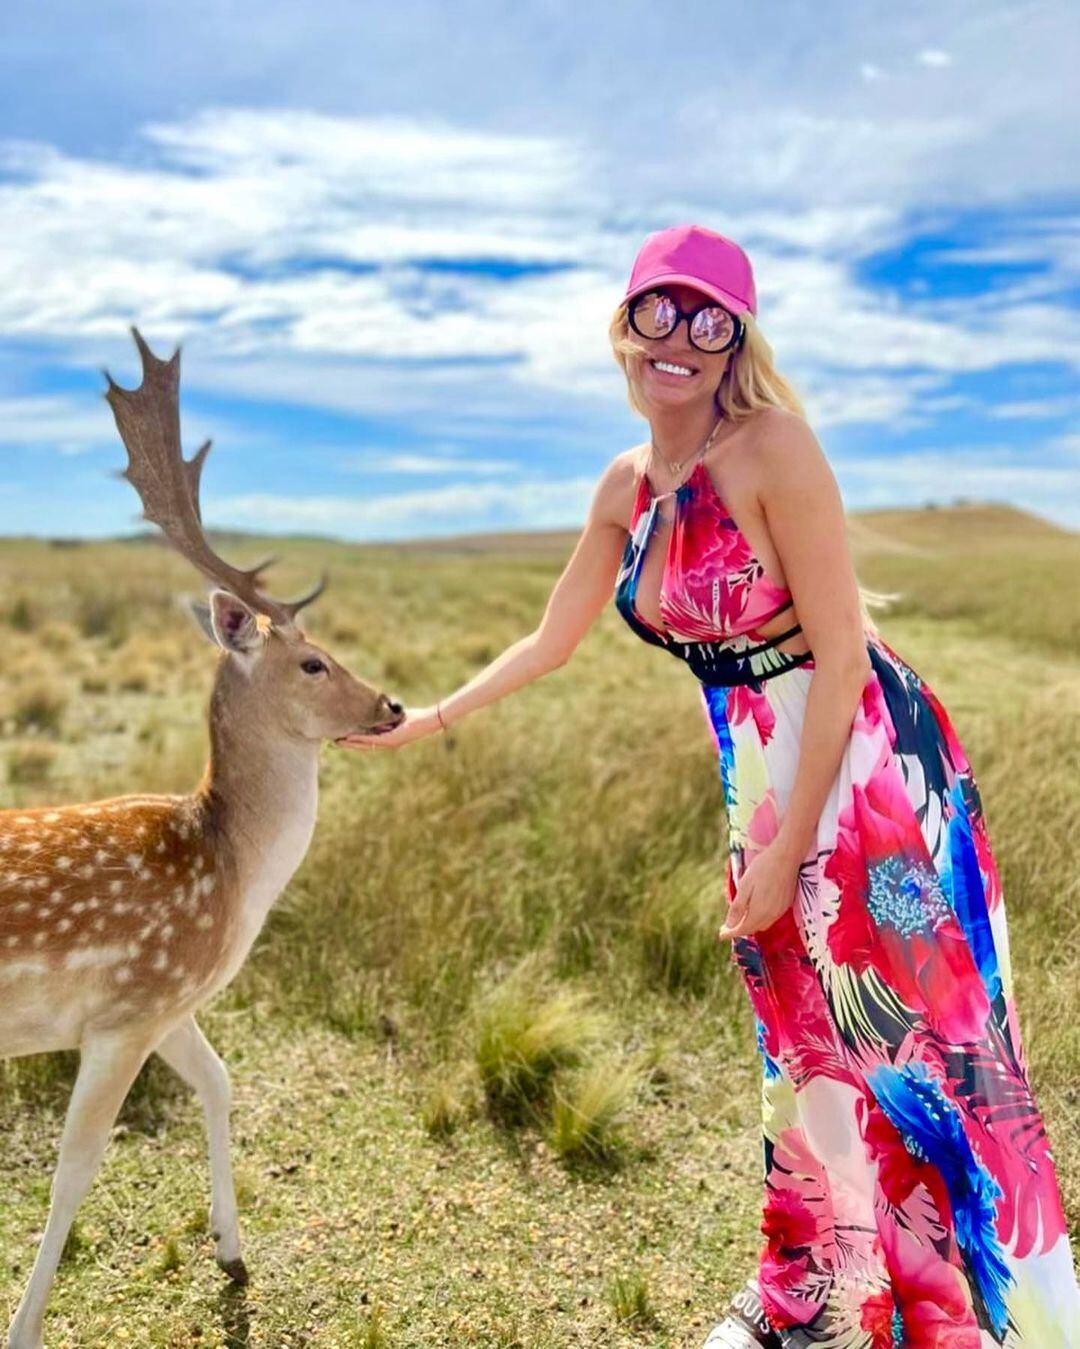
(763,893)
(418,722)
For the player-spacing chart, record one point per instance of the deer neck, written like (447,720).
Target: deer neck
(259,795)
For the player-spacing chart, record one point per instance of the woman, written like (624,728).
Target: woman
(910,1194)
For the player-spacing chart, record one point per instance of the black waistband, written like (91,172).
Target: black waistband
(718,665)
(773,641)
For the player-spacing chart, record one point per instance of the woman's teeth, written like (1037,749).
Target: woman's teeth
(672,369)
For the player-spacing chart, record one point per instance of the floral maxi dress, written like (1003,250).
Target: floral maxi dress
(910,1195)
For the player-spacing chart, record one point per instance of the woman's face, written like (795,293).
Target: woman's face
(670,389)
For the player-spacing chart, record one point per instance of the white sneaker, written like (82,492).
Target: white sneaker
(745,1326)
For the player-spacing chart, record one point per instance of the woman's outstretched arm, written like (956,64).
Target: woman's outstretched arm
(578,598)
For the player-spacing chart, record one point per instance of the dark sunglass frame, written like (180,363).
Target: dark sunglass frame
(690,314)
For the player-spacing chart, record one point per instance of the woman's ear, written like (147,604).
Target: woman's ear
(235,627)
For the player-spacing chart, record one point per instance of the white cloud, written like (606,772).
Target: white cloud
(425,465)
(456,509)
(981,472)
(1035,409)
(54,420)
(286,249)
(934,57)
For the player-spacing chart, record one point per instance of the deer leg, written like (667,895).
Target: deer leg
(188,1052)
(107,1067)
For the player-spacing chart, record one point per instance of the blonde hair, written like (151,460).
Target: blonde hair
(749,383)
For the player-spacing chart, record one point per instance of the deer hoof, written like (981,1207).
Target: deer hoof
(235,1269)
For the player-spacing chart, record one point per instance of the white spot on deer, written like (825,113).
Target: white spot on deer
(134,860)
(51,817)
(161,845)
(177,972)
(28,883)
(18,968)
(11,941)
(160,961)
(78,906)
(101,856)
(39,938)
(98,924)
(22,906)
(31,845)
(94,957)
(63,863)
(167,932)
(63,925)
(204,921)
(170,869)
(207,884)
(86,871)
(122,975)
(115,887)
(121,906)
(26,819)
(93,903)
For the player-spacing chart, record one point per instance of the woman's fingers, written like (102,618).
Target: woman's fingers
(736,917)
(357,740)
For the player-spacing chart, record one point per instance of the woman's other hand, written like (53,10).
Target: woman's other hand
(763,893)
(418,722)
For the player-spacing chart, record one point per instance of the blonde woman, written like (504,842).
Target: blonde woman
(910,1197)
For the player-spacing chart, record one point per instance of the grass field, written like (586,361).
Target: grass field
(495,1082)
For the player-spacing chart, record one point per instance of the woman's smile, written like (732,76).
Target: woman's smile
(672,370)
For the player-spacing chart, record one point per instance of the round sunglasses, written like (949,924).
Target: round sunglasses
(654,314)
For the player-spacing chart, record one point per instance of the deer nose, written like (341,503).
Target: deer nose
(393,706)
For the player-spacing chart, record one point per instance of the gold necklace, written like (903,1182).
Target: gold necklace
(675,466)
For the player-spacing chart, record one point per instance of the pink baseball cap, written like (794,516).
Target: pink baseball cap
(699,257)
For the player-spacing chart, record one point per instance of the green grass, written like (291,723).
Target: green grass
(631,1302)
(523,918)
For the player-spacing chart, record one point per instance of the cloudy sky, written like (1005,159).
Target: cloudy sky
(390,237)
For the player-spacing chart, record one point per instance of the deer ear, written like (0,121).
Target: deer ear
(233,625)
(200,612)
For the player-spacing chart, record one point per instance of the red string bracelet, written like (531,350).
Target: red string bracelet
(438,713)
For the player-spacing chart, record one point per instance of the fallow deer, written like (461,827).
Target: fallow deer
(120,918)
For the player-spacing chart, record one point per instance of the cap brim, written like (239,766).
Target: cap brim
(724,297)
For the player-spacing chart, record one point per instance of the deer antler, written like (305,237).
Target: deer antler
(148,419)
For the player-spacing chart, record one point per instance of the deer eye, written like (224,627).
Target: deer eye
(313,667)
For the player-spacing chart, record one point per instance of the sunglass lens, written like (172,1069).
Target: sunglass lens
(654,314)
(712,328)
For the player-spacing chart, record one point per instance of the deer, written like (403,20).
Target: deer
(121,918)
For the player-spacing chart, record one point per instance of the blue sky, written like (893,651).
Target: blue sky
(390,239)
